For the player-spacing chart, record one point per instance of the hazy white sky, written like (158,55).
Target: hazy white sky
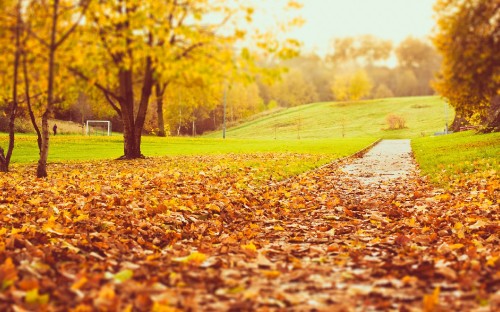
(327,19)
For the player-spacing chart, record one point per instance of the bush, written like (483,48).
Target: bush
(383,92)
(395,122)
(20,125)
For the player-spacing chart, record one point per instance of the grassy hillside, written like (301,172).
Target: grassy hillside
(423,115)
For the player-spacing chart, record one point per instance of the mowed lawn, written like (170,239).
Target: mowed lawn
(76,148)
(423,115)
(454,159)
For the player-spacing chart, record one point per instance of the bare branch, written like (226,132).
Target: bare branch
(99,86)
(112,103)
(189,49)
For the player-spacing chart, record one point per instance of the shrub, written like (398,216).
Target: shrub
(395,122)
(383,92)
(20,125)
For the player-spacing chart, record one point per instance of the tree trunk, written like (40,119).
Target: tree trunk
(132,127)
(28,102)
(41,171)
(458,122)
(3,163)
(493,120)
(159,110)
(5,159)
(130,148)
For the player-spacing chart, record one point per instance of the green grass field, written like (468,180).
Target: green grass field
(83,148)
(442,158)
(423,115)
(458,156)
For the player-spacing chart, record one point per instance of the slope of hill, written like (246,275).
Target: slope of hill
(423,115)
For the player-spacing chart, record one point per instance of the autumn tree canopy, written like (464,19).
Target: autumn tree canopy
(468,38)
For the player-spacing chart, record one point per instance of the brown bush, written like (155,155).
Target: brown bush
(395,122)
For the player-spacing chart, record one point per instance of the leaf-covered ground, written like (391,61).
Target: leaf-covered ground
(214,233)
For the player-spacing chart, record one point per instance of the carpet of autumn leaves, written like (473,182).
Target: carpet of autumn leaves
(212,233)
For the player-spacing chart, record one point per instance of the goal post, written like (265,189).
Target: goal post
(103,124)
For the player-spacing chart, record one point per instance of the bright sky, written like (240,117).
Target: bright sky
(386,19)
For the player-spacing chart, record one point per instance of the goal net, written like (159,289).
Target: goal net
(98,127)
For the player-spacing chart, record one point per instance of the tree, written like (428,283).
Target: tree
(51,25)
(315,70)
(360,85)
(243,100)
(294,90)
(16,29)
(352,87)
(422,59)
(362,50)
(406,82)
(468,38)
(135,45)
(124,40)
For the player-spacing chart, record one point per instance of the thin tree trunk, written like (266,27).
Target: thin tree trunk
(159,109)
(41,171)
(28,101)
(5,160)
(180,122)
(3,163)
(147,90)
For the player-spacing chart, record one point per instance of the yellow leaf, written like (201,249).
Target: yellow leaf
(250,247)
(410,222)
(79,283)
(459,230)
(82,217)
(456,246)
(477,225)
(271,274)
(430,301)
(33,297)
(491,261)
(195,258)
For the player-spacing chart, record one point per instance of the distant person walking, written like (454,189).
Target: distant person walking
(54,129)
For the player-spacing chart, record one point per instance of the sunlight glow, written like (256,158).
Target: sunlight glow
(328,19)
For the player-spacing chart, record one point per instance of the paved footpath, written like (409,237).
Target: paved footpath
(388,160)
(365,234)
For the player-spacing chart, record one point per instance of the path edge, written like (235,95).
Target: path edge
(357,154)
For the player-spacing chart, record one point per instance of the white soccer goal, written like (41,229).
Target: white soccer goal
(97,127)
